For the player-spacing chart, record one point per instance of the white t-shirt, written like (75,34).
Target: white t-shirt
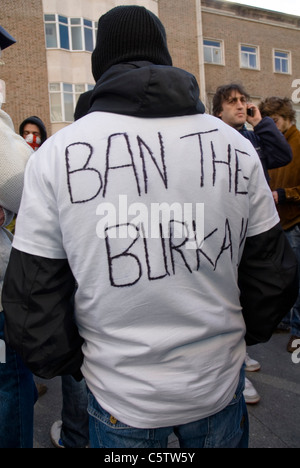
(152,215)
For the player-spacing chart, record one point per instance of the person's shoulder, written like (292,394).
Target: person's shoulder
(5,120)
(293,133)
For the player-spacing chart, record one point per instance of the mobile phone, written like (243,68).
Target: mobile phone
(250,112)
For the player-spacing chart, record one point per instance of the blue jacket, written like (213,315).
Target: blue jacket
(270,144)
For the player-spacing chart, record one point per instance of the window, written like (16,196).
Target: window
(64,32)
(68,102)
(55,103)
(213,52)
(70,33)
(282,62)
(249,57)
(76,34)
(79,89)
(88,35)
(50,31)
(63,100)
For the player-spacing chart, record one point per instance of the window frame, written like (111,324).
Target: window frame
(62,92)
(221,48)
(87,32)
(55,23)
(62,26)
(257,55)
(289,61)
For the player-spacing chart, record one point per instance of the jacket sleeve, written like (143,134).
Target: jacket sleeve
(275,149)
(290,195)
(269,283)
(38,303)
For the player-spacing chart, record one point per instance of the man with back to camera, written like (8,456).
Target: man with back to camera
(161,333)
(231,104)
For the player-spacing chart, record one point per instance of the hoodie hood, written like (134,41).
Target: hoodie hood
(143,89)
(36,121)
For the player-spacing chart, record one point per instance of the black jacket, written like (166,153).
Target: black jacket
(270,144)
(38,292)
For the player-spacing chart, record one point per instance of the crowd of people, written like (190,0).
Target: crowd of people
(150,335)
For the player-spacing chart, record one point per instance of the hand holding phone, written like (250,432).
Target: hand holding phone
(254,115)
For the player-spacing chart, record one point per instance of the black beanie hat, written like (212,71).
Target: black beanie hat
(36,121)
(129,33)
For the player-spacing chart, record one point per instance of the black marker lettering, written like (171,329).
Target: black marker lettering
(127,155)
(198,134)
(155,265)
(227,243)
(123,261)
(237,171)
(216,161)
(84,183)
(199,250)
(162,172)
(177,247)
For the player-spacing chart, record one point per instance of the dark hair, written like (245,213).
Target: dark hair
(276,105)
(223,93)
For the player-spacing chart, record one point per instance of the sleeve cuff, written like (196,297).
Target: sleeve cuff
(281,196)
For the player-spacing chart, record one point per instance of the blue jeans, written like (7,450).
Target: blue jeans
(17,397)
(75,418)
(293,318)
(227,429)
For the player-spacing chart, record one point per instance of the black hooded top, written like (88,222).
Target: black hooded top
(36,121)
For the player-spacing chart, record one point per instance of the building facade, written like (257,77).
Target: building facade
(257,47)
(217,41)
(25,70)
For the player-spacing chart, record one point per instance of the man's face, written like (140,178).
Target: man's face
(234,110)
(282,124)
(31,128)
(32,135)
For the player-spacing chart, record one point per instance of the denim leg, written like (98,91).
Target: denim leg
(293,236)
(107,432)
(75,418)
(17,397)
(227,429)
